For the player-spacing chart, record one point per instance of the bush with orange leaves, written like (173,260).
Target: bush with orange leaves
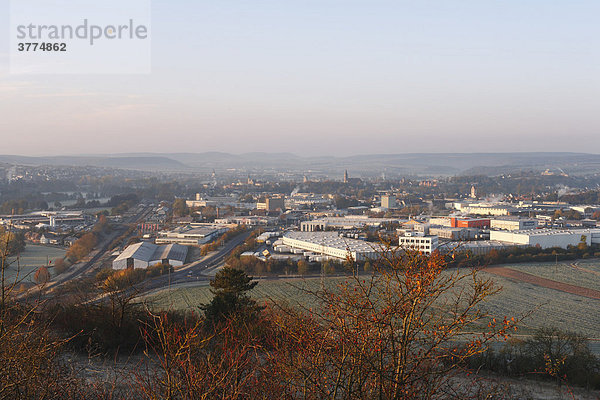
(404,332)
(229,360)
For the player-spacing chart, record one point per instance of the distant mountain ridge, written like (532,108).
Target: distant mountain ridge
(134,162)
(426,164)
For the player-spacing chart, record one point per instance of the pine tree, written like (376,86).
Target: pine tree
(230,298)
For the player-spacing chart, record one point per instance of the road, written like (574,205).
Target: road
(104,247)
(196,271)
(86,267)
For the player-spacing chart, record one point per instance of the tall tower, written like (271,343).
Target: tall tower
(346,176)
(473,192)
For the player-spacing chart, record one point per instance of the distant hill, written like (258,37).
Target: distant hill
(144,163)
(423,164)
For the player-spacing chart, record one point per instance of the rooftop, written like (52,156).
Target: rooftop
(332,239)
(145,251)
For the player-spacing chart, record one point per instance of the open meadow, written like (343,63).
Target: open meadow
(34,257)
(543,306)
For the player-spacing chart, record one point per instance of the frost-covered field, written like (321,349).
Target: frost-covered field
(292,292)
(544,306)
(584,273)
(548,307)
(30,260)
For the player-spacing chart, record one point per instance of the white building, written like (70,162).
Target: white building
(218,201)
(330,244)
(418,241)
(441,221)
(547,238)
(253,220)
(481,209)
(192,235)
(144,254)
(479,247)
(348,222)
(513,224)
(454,233)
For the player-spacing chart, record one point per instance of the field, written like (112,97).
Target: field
(30,260)
(543,306)
(282,291)
(584,273)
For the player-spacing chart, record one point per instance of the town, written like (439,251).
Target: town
(100,218)
(299,200)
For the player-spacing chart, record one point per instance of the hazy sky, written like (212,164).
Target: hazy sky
(328,77)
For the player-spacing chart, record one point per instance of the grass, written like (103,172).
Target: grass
(288,291)
(546,307)
(586,274)
(30,260)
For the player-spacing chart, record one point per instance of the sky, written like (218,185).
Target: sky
(328,77)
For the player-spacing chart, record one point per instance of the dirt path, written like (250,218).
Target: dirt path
(576,266)
(547,283)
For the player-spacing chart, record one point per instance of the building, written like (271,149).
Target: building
(348,222)
(485,209)
(441,221)
(51,238)
(463,222)
(416,225)
(418,241)
(69,241)
(388,201)
(272,204)
(192,234)
(477,248)
(473,192)
(307,199)
(252,220)
(144,254)
(513,224)
(444,232)
(49,219)
(546,238)
(218,201)
(329,244)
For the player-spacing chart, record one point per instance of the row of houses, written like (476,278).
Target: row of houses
(51,238)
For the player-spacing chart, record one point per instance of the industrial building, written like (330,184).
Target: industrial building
(547,238)
(455,233)
(192,234)
(460,222)
(463,222)
(218,201)
(348,222)
(513,224)
(307,199)
(49,219)
(329,244)
(418,241)
(485,209)
(252,220)
(477,248)
(144,254)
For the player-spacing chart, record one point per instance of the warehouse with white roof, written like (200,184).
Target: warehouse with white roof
(144,254)
(547,238)
(330,244)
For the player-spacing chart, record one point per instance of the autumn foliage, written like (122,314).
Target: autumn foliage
(402,332)
(82,247)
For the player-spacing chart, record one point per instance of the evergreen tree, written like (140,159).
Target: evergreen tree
(230,298)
